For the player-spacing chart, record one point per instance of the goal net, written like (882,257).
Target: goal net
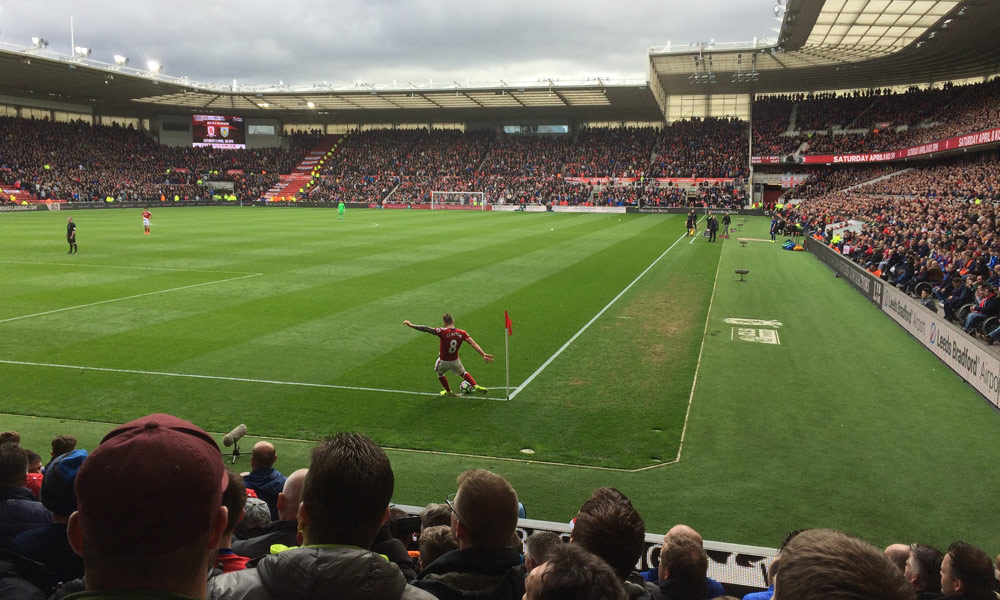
(458,200)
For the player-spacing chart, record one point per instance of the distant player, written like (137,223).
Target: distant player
(451,340)
(71,235)
(340,210)
(774,226)
(692,223)
(145,219)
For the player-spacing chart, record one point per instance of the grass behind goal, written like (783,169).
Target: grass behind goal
(846,423)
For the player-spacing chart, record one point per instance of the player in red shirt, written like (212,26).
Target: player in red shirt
(451,340)
(145,219)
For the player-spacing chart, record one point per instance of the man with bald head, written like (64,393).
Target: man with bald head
(715,588)
(264,479)
(282,531)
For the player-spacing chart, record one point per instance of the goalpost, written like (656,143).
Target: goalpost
(458,200)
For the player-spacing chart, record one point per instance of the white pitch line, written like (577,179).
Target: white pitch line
(538,371)
(75,264)
(183,287)
(386,448)
(704,336)
(216,377)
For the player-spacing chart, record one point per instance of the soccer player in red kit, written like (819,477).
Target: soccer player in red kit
(451,340)
(145,219)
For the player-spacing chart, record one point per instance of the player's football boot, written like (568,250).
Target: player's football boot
(448,394)
(482,390)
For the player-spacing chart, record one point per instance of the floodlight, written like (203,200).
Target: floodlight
(81,51)
(120,60)
(154,66)
(311,104)
(38,42)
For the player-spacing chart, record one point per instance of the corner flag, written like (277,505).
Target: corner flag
(508,331)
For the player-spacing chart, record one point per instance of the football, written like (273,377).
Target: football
(466,387)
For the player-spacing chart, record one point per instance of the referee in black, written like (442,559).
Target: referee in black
(71,235)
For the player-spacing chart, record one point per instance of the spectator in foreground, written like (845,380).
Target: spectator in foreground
(573,574)
(435,514)
(434,542)
(683,569)
(49,545)
(923,571)
(898,553)
(610,527)
(484,517)
(150,512)
(263,478)
(539,547)
(34,473)
(715,588)
(820,564)
(10,437)
(61,444)
(967,573)
(19,511)
(235,500)
(284,531)
(345,501)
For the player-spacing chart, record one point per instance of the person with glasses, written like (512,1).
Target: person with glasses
(483,520)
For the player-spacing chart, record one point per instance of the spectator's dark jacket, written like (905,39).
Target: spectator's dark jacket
(19,511)
(268,483)
(317,572)
(990,308)
(474,572)
(278,532)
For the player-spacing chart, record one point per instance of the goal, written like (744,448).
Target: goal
(458,200)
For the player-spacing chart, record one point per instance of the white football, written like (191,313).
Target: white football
(466,387)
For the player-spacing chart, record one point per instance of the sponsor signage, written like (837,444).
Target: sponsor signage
(661,180)
(968,358)
(957,349)
(863,281)
(979,138)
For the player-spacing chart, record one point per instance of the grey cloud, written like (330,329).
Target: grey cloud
(383,40)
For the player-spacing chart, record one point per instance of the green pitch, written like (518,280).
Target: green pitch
(290,321)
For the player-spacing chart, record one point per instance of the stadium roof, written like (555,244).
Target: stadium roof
(120,90)
(843,44)
(822,45)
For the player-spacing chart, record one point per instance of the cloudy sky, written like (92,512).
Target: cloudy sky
(381,41)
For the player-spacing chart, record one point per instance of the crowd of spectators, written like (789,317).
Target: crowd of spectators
(875,120)
(77,161)
(771,119)
(825,180)
(935,225)
(333,533)
(405,167)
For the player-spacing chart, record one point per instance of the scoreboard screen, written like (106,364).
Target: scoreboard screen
(214,131)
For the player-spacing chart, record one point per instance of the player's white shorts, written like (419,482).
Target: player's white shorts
(455,366)
(145,222)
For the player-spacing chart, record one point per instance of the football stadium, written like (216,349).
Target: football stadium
(754,293)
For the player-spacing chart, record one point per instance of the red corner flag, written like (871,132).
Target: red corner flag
(507,324)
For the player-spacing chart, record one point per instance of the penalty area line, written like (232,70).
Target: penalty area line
(215,377)
(176,289)
(545,365)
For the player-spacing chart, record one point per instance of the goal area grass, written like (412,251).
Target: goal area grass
(638,360)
